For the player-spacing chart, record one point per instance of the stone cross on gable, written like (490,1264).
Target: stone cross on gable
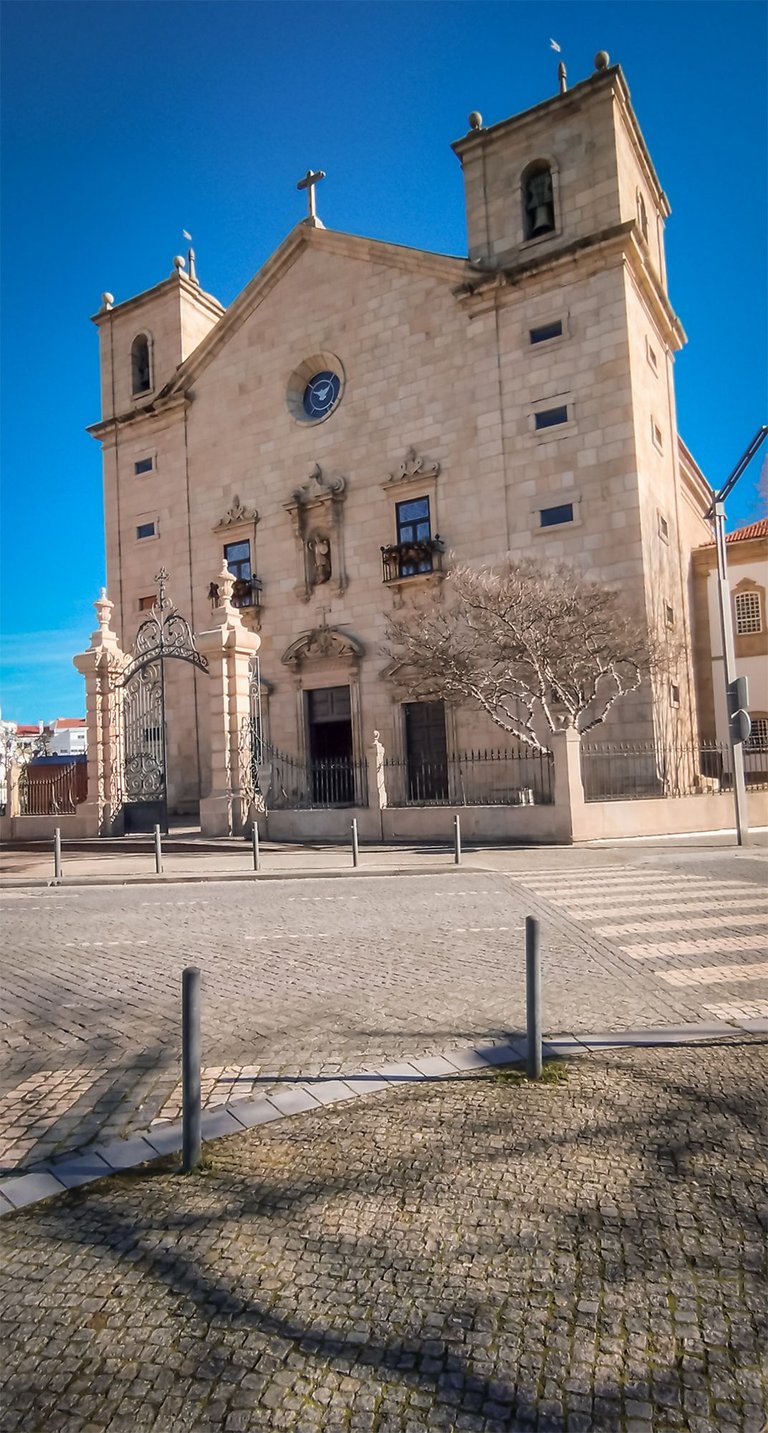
(311,178)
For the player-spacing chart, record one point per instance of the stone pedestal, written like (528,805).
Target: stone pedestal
(228,647)
(101,666)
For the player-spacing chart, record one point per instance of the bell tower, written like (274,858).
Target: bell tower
(565,174)
(144,339)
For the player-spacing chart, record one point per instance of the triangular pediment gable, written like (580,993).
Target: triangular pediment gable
(330,241)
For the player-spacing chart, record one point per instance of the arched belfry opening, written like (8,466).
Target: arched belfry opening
(538,199)
(141,367)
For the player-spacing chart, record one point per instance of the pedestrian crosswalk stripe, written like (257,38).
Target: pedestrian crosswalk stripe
(744,1010)
(715,974)
(653,883)
(589,907)
(683,923)
(663,948)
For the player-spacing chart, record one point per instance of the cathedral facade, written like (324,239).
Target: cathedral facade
(363,408)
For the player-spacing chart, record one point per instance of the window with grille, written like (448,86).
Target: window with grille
(749,617)
(758,737)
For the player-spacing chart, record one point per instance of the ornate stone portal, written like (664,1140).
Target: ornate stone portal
(317,513)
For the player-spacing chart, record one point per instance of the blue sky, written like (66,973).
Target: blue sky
(124,123)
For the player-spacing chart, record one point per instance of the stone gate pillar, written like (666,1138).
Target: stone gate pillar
(102,666)
(228,647)
(568,788)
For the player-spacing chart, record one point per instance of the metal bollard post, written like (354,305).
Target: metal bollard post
(158,853)
(355,847)
(191,1055)
(533,998)
(256,851)
(457,839)
(57,854)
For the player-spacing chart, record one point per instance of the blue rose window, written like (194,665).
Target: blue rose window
(321,394)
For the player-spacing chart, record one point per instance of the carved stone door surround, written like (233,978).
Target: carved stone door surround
(326,657)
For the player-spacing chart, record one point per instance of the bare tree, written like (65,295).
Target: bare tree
(532,646)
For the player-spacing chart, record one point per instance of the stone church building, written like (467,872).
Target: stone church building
(362,408)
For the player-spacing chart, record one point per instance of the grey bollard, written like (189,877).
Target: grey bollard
(355,847)
(57,854)
(457,840)
(256,851)
(533,998)
(158,853)
(191,1056)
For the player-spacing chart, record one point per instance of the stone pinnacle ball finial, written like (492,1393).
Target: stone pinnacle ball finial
(475,120)
(107,300)
(602,60)
(179,263)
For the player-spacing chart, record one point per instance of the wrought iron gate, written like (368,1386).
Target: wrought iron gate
(163,634)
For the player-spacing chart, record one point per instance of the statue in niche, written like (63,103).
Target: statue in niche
(319,549)
(539,203)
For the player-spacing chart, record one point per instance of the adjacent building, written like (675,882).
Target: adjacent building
(747,555)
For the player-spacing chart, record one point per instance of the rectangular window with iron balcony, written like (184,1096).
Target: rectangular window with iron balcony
(416,550)
(245,592)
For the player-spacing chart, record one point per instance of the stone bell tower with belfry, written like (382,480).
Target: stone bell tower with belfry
(565,227)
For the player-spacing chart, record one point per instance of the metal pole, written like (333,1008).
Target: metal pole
(158,853)
(164,733)
(355,847)
(256,852)
(729,671)
(533,998)
(57,854)
(457,839)
(191,1055)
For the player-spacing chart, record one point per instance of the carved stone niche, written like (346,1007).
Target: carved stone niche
(316,510)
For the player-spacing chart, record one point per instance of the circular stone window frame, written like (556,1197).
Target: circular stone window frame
(297,387)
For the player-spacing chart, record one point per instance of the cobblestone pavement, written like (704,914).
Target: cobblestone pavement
(474,1255)
(321,977)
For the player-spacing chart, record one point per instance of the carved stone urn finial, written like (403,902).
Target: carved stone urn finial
(103,609)
(225,585)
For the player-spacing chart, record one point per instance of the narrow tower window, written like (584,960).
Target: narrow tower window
(538,200)
(642,216)
(140,374)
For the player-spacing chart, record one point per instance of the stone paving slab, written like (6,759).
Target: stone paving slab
(472,1255)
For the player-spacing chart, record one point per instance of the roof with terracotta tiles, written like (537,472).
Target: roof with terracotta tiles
(753,529)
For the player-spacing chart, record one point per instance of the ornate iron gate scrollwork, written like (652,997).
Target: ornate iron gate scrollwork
(163,634)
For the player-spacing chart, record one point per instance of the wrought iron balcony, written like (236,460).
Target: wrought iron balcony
(412,559)
(246,592)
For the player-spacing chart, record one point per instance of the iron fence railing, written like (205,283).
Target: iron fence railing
(472,778)
(286,783)
(52,792)
(636,771)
